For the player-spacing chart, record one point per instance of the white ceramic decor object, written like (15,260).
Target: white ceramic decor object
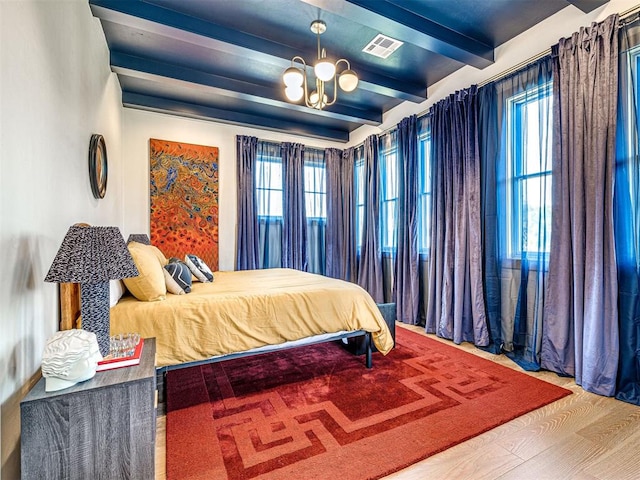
(69,357)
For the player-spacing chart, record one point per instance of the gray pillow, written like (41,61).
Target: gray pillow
(177,276)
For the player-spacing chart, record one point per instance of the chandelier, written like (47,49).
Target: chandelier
(295,77)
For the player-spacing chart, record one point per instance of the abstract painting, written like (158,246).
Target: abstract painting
(184,200)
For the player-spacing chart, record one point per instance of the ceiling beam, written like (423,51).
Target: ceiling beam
(190,110)
(154,19)
(170,74)
(392,19)
(587,6)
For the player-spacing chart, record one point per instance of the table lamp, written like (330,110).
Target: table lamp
(91,256)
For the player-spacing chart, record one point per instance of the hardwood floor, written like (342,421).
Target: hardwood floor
(582,436)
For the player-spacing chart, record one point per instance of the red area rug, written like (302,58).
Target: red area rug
(316,412)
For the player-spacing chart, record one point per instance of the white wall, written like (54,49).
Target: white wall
(139,126)
(519,49)
(56,89)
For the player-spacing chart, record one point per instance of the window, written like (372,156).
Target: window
(529,124)
(315,198)
(629,117)
(269,205)
(359,180)
(627,175)
(315,190)
(424,192)
(269,187)
(389,195)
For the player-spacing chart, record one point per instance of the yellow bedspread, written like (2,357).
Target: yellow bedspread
(249,309)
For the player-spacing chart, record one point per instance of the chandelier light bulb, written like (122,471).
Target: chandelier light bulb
(314,100)
(293,77)
(294,93)
(324,69)
(348,80)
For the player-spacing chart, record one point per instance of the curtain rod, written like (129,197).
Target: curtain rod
(515,68)
(623,18)
(628,13)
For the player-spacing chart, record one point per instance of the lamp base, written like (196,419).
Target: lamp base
(94,308)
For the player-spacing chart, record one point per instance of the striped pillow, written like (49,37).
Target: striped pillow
(199,268)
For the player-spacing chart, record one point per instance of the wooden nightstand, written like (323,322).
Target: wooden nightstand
(103,428)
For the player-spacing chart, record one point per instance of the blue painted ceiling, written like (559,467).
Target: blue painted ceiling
(223,59)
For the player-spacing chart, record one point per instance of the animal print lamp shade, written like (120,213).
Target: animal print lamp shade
(91,256)
(140,238)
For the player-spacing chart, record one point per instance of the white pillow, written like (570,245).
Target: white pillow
(116,290)
(200,269)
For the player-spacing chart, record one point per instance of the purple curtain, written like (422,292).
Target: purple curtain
(580,334)
(247,225)
(294,243)
(516,121)
(370,259)
(406,285)
(340,244)
(456,298)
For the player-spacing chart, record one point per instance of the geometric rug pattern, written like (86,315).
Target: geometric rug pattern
(316,412)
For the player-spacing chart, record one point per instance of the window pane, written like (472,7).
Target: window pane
(536,136)
(425,166)
(269,188)
(261,181)
(536,208)
(269,203)
(389,222)
(274,207)
(261,202)
(269,174)
(359,186)
(315,188)
(390,177)
(314,205)
(314,178)
(359,217)
(424,199)
(359,176)
(424,224)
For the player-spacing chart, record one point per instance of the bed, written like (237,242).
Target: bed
(245,313)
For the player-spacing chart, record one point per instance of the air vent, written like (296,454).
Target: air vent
(382,46)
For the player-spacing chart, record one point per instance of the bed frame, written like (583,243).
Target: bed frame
(70,312)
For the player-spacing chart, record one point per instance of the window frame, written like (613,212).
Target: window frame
(385,155)
(631,160)
(515,174)
(275,160)
(425,190)
(323,166)
(358,179)
(633,105)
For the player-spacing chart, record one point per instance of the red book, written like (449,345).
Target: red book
(109,363)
